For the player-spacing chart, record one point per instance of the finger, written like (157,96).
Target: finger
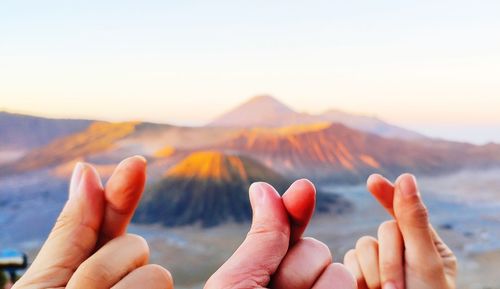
(352,264)
(447,256)
(391,250)
(302,265)
(299,201)
(383,190)
(74,235)
(336,276)
(263,249)
(123,192)
(413,221)
(367,254)
(111,263)
(147,276)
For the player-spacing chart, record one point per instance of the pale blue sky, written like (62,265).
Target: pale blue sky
(422,64)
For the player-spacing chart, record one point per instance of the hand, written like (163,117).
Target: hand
(87,247)
(274,255)
(408,254)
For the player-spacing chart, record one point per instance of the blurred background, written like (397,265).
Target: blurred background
(219,94)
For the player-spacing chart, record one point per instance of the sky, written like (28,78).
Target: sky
(433,66)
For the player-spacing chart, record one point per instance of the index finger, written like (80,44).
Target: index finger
(383,190)
(123,192)
(299,201)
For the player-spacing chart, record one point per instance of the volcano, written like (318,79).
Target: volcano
(210,188)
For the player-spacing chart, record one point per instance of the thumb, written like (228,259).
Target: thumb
(413,221)
(74,235)
(266,244)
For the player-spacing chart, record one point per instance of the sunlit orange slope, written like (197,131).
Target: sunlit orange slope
(217,166)
(98,137)
(210,187)
(336,152)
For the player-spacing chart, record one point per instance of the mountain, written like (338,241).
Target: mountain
(209,187)
(98,137)
(324,151)
(108,143)
(369,124)
(262,110)
(335,152)
(19,131)
(267,111)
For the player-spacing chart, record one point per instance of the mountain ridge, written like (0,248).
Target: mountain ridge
(337,152)
(268,111)
(22,131)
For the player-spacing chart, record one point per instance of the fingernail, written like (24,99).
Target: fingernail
(408,186)
(143,159)
(76,179)
(389,285)
(257,193)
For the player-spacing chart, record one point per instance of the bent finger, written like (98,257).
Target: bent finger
(336,276)
(391,252)
(111,263)
(367,255)
(302,265)
(148,276)
(352,264)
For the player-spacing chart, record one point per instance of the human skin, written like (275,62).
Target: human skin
(408,254)
(274,254)
(89,248)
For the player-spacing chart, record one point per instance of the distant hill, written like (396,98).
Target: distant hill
(267,111)
(323,151)
(259,111)
(108,143)
(369,124)
(98,137)
(18,131)
(335,152)
(210,188)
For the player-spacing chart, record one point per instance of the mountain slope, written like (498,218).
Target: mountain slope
(209,188)
(98,137)
(258,111)
(338,153)
(19,131)
(369,124)
(267,111)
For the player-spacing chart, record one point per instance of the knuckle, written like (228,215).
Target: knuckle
(267,234)
(318,246)
(138,243)
(453,263)
(427,268)
(349,256)
(387,227)
(366,243)
(390,267)
(241,281)
(160,275)
(95,273)
(338,270)
(417,215)
(63,221)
